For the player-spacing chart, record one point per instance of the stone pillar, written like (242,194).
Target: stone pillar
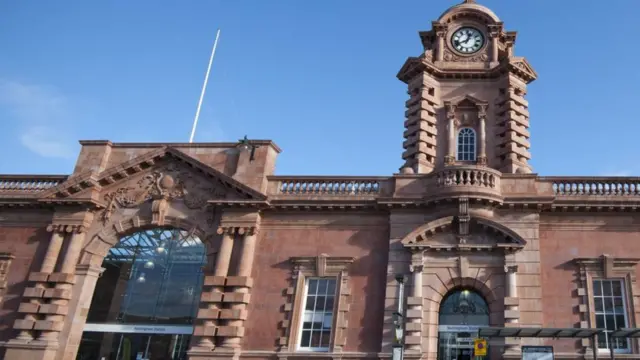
(450,159)
(441,33)
(25,345)
(47,267)
(86,277)
(213,298)
(413,338)
(511,288)
(60,295)
(482,141)
(241,285)
(494,35)
(511,313)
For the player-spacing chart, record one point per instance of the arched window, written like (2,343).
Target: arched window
(466,145)
(147,297)
(462,312)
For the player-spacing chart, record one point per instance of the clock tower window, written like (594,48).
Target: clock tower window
(466,145)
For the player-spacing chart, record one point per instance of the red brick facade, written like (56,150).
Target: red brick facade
(534,248)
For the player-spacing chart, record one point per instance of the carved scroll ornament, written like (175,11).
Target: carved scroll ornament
(168,183)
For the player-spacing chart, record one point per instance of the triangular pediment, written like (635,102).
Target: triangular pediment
(454,233)
(521,67)
(165,172)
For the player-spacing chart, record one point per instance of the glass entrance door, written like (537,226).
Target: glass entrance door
(455,346)
(150,347)
(133,346)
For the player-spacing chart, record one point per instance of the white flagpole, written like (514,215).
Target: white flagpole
(204,87)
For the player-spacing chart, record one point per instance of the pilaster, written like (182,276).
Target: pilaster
(414,314)
(450,158)
(226,292)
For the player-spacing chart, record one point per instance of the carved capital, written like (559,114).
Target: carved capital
(451,111)
(417,260)
(416,268)
(510,269)
(64,228)
(482,111)
(495,30)
(440,29)
(240,230)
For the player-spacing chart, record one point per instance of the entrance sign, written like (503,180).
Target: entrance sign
(480,347)
(537,353)
(140,329)
(459,328)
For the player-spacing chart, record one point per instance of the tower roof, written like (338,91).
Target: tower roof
(470,5)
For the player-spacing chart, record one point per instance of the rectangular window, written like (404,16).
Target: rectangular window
(317,314)
(611,312)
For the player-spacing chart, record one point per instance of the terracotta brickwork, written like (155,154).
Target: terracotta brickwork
(464,213)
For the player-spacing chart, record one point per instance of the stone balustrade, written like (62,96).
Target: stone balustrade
(595,186)
(28,184)
(326,186)
(466,180)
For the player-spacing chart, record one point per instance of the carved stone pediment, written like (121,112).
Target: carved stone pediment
(521,67)
(464,233)
(166,181)
(159,176)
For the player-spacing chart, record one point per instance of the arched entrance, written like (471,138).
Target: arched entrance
(146,299)
(462,312)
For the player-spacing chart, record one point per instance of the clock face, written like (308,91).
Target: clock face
(467,40)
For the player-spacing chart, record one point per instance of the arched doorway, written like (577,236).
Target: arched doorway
(462,312)
(146,299)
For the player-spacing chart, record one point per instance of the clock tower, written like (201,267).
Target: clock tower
(467,95)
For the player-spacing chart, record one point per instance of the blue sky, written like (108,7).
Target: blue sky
(315,76)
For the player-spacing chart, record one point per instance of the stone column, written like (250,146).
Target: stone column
(482,141)
(511,313)
(413,338)
(511,287)
(213,298)
(40,278)
(494,35)
(86,277)
(241,284)
(25,344)
(60,295)
(441,33)
(450,159)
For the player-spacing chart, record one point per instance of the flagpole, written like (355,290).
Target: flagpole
(204,87)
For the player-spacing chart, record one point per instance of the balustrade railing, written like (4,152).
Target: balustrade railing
(347,186)
(605,186)
(467,177)
(29,184)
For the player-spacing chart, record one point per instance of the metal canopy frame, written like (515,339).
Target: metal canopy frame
(529,332)
(632,333)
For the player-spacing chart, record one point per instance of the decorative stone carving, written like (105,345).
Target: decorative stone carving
(167,183)
(451,111)
(450,56)
(480,235)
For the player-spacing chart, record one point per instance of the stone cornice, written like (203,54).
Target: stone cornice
(528,192)
(517,66)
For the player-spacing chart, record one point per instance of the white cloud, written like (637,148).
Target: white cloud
(39,110)
(44,141)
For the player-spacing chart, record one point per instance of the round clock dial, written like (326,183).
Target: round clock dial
(467,40)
